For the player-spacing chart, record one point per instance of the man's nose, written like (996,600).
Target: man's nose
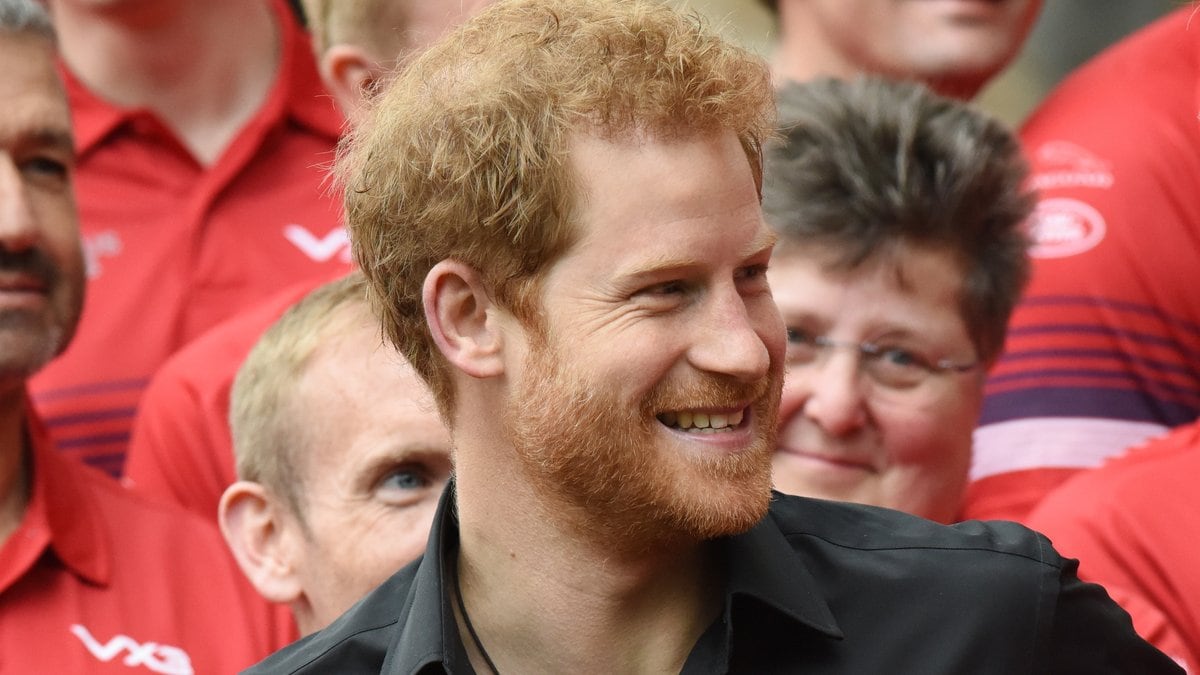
(18,221)
(729,342)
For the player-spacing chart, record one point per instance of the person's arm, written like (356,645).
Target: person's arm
(1092,635)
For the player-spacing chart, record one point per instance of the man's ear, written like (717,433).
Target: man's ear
(459,312)
(261,540)
(349,74)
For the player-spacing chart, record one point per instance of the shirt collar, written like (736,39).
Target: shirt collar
(764,566)
(297,92)
(61,505)
(761,565)
(432,635)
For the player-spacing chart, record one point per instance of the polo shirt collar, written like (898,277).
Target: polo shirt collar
(761,565)
(92,118)
(298,90)
(62,513)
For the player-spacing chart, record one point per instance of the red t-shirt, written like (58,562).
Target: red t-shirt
(1104,349)
(97,580)
(174,247)
(1133,525)
(181,450)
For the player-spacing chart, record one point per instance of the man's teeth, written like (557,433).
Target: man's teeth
(703,422)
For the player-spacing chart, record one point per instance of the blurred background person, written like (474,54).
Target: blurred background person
(341,458)
(92,578)
(202,131)
(1104,350)
(181,449)
(954,47)
(900,258)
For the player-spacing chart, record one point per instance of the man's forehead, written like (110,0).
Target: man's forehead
(35,102)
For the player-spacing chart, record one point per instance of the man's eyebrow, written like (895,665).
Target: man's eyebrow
(409,453)
(53,137)
(766,240)
(659,263)
(763,241)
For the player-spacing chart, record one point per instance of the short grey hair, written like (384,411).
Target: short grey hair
(26,16)
(867,166)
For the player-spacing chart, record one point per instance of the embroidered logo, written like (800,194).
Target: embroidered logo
(1064,227)
(106,244)
(1061,164)
(321,249)
(163,659)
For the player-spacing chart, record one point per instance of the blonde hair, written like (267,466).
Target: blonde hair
(465,154)
(263,414)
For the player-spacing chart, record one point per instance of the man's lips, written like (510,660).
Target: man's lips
(22,283)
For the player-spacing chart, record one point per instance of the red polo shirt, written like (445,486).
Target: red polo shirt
(174,247)
(182,450)
(97,580)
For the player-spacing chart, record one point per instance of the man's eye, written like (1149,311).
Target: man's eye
(666,288)
(45,166)
(405,479)
(752,277)
(753,272)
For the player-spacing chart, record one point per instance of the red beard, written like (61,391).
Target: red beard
(608,471)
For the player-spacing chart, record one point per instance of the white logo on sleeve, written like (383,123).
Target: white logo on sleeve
(163,659)
(320,249)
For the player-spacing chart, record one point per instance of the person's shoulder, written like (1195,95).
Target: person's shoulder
(1126,491)
(143,527)
(358,641)
(860,531)
(230,340)
(1150,74)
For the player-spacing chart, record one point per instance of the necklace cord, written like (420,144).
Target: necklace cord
(462,607)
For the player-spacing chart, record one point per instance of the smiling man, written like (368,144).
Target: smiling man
(556,209)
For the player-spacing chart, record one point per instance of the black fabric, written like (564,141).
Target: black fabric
(816,587)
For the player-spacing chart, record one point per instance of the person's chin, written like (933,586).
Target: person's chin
(814,475)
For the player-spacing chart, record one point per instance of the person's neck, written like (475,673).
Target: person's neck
(204,68)
(543,598)
(14,476)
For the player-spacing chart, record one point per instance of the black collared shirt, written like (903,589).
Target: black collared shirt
(816,587)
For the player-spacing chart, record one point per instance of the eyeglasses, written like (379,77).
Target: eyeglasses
(891,367)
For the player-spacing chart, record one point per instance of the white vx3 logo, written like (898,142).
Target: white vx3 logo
(163,659)
(320,249)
